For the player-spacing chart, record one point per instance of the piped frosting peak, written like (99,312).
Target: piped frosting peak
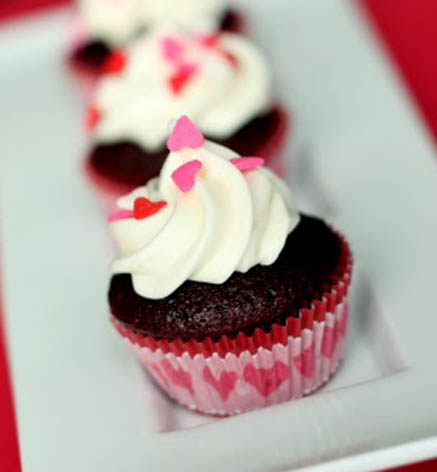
(210,213)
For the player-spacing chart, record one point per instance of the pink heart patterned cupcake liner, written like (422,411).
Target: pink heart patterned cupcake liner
(230,376)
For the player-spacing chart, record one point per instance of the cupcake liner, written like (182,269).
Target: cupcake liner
(109,190)
(230,376)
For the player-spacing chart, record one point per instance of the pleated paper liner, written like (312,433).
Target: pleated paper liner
(233,375)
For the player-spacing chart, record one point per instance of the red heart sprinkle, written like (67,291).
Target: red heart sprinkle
(143,207)
(209,40)
(115,62)
(230,58)
(93,117)
(178,80)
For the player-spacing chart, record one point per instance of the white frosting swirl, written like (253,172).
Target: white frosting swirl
(117,21)
(138,104)
(229,221)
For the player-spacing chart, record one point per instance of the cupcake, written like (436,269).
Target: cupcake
(103,26)
(220,81)
(230,297)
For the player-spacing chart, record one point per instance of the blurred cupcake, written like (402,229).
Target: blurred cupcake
(103,26)
(220,81)
(230,297)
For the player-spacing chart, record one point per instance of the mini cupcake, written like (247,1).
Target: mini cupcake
(231,299)
(220,81)
(104,26)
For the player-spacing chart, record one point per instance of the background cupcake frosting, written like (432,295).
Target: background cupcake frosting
(115,22)
(221,81)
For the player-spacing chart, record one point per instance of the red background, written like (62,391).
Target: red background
(409,31)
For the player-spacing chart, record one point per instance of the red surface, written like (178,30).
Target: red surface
(409,30)
(428,466)
(9,455)
(11,8)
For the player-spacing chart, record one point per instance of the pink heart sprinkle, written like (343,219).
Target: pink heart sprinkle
(171,48)
(185,175)
(246,163)
(185,135)
(120,215)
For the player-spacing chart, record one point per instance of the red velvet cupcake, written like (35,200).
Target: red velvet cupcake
(104,26)
(220,81)
(231,299)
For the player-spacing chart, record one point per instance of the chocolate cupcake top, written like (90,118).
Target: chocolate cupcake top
(313,258)
(221,81)
(209,214)
(114,22)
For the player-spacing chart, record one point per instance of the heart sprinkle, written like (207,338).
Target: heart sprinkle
(246,163)
(184,176)
(93,117)
(185,135)
(180,78)
(115,62)
(120,215)
(143,207)
(212,41)
(231,58)
(171,48)
(209,40)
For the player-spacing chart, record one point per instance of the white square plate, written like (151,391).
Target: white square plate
(358,156)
